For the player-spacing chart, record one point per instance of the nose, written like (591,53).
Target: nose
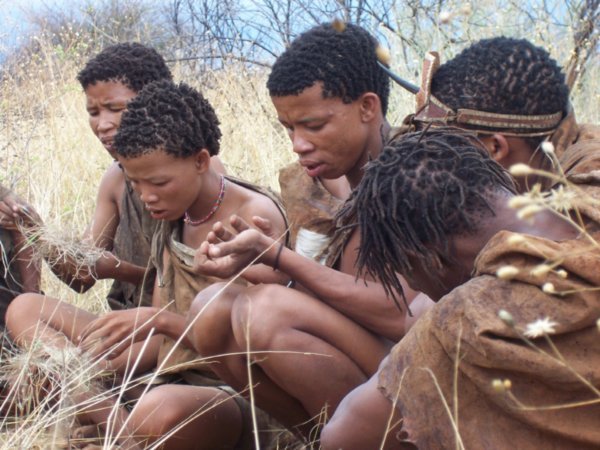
(147,196)
(106,122)
(300,144)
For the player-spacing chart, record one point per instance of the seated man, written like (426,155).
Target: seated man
(332,97)
(506,359)
(513,95)
(165,143)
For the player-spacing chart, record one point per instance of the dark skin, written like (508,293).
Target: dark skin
(361,421)
(28,269)
(105,103)
(510,150)
(168,186)
(331,322)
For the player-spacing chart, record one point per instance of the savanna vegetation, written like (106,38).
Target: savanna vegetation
(49,156)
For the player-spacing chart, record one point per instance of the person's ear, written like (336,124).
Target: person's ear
(370,105)
(202,160)
(498,148)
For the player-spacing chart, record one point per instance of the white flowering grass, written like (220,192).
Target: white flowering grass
(540,327)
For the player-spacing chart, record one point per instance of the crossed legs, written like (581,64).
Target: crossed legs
(305,355)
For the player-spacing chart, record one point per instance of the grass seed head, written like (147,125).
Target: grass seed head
(520,170)
(506,317)
(383,55)
(507,272)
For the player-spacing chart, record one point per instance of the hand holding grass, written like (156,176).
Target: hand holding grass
(13,211)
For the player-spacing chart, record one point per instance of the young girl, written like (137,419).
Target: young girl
(164,145)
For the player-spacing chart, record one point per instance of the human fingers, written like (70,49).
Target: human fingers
(202,251)
(208,267)
(212,238)
(247,241)
(91,328)
(221,232)
(101,334)
(202,254)
(96,343)
(263,225)
(103,343)
(29,213)
(22,210)
(238,223)
(5,208)
(7,220)
(87,437)
(17,207)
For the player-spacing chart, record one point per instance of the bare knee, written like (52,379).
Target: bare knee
(259,315)
(22,312)
(364,419)
(333,434)
(211,316)
(151,406)
(186,416)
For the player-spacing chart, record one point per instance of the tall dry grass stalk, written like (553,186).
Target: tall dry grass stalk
(51,158)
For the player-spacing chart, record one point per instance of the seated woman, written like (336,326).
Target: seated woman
(164,144)
(120,225)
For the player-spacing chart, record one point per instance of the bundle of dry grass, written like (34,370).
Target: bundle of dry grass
(50,157)
(41,391)
(59,248)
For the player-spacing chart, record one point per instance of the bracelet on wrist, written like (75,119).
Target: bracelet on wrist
(277,256)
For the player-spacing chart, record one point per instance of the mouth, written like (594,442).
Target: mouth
(156,214)
(107,142)
(312,168)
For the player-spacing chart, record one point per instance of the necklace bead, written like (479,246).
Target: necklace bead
(186,216)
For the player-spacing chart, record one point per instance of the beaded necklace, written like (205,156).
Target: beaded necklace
(188,220)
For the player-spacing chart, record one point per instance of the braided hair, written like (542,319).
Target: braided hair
(424,188)
(172,117)
(133,64)
(342,58)
(504,76)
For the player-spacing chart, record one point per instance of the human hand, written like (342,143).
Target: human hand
(14,210)
(105,266)
(114,332)
(225,253)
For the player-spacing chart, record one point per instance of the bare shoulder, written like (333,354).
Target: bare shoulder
(112,184)
(105,220)
(257,204)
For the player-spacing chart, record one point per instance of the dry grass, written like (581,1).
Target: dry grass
(51,158)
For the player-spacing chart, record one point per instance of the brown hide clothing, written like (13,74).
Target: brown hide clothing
(179,284)
(466,323)
(132,242)
(308,204)
(10,278)
(581,165)
(464,326)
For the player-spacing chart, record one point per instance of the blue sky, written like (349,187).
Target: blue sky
(13,19)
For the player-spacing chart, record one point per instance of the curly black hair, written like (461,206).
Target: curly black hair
(423,188)
(133,64)
(343,58)
(502,75)
(171,117)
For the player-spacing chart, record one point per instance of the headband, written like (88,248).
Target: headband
(429,109)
